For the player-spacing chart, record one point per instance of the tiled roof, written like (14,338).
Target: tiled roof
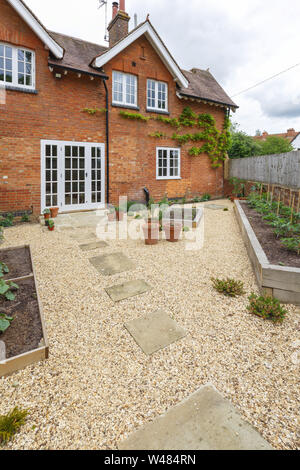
(78,54)
(204,86)
(290,135)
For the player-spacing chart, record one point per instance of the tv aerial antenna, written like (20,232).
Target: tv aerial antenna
(103,3)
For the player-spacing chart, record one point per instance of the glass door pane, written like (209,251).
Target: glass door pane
(75,185)
(96,176)
(51,179)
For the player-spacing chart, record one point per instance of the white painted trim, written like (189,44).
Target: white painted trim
(14,59)
(156,43)
(61,169)
(168,165)
(149,108)
(124,102)
(39,30)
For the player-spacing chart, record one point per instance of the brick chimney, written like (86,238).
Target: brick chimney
(291,132)
(119,25)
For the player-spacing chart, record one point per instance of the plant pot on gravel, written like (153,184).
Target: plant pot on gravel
(47,215)
(51,225)
(173,231)
(119,214)
(151,233)
(54,212)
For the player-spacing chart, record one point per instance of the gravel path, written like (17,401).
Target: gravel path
(98,386)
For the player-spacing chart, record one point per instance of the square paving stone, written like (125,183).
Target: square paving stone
(81,236)
(93,246)
(113,263)
(205,421)
(127,290)
(215,207)
(155,331)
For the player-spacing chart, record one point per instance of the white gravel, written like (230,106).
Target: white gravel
(98,386)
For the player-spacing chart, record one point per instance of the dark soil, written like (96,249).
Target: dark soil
(275,252)
(25,332)
(18,262)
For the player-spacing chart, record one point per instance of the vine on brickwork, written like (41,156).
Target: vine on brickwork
(216,143)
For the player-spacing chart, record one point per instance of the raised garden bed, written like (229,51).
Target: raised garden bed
(282,282)
(25,340)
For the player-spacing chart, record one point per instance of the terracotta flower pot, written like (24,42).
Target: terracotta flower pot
(47,216)
(120,216)
(151,233)
(173,232)
(54,212)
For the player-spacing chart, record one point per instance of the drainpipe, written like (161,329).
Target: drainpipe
(107,140)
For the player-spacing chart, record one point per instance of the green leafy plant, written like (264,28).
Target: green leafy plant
(47,211)
(134,116)
(267,308)
(25,218)
(238,187)
(5,322)
(7,288)
(292,244)
(157,135)
(3,269)
(11,423)
(205,197)
(229,287)
(94,111)
(7,221)
(51,223)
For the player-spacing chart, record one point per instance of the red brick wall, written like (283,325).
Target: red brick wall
(55,113)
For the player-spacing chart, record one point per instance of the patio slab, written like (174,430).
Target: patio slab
(155,331)
(215,207)
(127,290)
(93,246)
(205,421)
(111,264)
(83,236)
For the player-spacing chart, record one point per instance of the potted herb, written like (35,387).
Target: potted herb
(47,214)
(172,230)
(239,188)
(51,225)
(54,212)
(151,233)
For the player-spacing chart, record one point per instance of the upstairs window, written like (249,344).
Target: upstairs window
(157,96)
(17,67)
(124,89)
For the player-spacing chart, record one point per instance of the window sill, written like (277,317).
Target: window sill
(21,89)
(125,106)
(166,178)
(157,111)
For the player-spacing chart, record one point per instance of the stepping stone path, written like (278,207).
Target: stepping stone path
(93,246)
(114,263)
(127,290)
(205,421)
(81,237)
(214,207)
(155,331)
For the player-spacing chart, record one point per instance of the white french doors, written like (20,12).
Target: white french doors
(73,175)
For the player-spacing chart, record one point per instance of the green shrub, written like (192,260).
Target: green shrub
(7,221)
(266,307)
(205,197)
(11,423)
(229,287)
(25,218)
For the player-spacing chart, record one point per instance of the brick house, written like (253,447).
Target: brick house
(63,141)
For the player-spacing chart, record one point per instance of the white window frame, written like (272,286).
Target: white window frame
(168,177)
(123,102)
(156,108)
(14,82)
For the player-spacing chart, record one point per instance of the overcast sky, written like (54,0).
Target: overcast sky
(242,42)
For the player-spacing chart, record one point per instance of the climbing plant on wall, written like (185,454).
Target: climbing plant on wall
(215,143)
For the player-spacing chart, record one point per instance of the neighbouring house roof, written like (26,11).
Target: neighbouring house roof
(289,135)
(34,23)
(203,86)
(148,30)
(78,54)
